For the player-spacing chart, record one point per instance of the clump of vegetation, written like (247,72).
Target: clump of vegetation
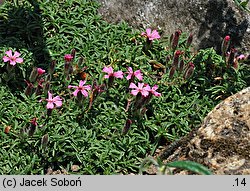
(77,91)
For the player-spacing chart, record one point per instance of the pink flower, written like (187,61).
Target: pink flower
(109,70)
(154,92)
(241,57)
(52,102)
(225,45)
(13,59)
(144,90)
(40,71)
(81,88)
(131,74)
(227,38)
(68,57)
(151,36)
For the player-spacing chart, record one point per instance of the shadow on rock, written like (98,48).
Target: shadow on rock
(220,20)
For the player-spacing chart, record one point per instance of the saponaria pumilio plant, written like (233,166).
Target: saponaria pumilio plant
(219,75)
(40,82)
(178,62)
(181,67)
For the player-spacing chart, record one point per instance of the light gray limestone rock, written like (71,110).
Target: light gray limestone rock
(210,21)
(222,143)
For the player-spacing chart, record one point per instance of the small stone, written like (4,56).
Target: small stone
(75,168)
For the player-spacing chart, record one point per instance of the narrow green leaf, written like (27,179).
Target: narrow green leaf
(191,166)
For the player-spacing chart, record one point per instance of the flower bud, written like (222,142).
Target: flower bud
(225,45)
(189,40)
(46,87)
(189,71)
(73,53)
(128,105)
(80,99)
(52,67)
(40,71)
(127,126)
(176,58)
(181,65)
(32,127)
(80,61)
(172,71)
(33,75)
(68,57)
(45,140)
(143,111)
(175,39)
(168,58)
(231,57)
(66,68)
(7,129)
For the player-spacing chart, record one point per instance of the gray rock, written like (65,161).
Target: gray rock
(222,143)
(209,21)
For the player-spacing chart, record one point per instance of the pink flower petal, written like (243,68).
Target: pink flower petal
(155,87)
(118,74)
(148,31)
(155,34)
(240,57)
(57,98)
(132,85)
(19,60)
(70,86)
(134,92)
(58,103)
(130,73)
(108,70)
(140,85)
(138,74)
(16,54)
(75,92)
(12,62)
(154,92)
(6,59)
(157,94)
(129,77)
(49,96)
(130,70)
(106,76)
(144,93)
(50,105)
(147,88)
(9,53)
(82,83)
(85,93)
(87,87)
